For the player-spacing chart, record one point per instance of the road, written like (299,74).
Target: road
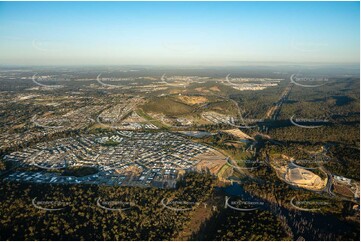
(328,187)
(273,112)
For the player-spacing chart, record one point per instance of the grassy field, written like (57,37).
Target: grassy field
(167,105)
(191,106)
(157,123)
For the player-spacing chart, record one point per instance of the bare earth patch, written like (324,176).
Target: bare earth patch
(213,160)
(193,100)
(237,133)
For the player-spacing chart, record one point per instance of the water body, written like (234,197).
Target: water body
(310,226)
(197,134)
(245,141)
(342,100)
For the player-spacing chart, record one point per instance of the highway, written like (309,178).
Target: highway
(273,112)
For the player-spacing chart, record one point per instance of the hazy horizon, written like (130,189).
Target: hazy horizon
(179,33)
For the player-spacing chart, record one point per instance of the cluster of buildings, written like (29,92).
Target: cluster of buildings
(75,119)
(13,139)
(115,113)
(252,84)
(346,186)
(255,79)
(136,122)
(121,158)
(184,121)
(342,179)
(217,118)
(154,177)
(50,124)
(122,116)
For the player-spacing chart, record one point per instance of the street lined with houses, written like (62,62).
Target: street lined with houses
(121,158)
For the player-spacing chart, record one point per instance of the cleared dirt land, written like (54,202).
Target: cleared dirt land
(237,133)
(166,105)
(297,176)
(213,160)
(191,100)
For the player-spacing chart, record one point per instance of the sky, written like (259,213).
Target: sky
(179,33)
